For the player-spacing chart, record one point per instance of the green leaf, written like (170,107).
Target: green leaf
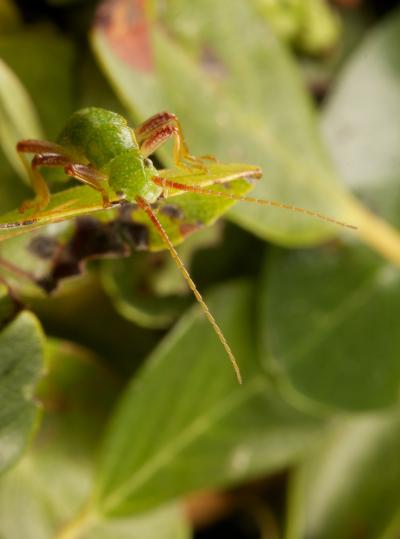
(63,205)
(148,288)
(191,211)
(163,523)
(9,306)
(239,102)
(21,364)
(54,479)
(18,117)
(362,106)
(329,321)
(194,211)
(199,429)
(51,485)
(43,59)
(77,394)
(129,282)
(350,487)
(82,313)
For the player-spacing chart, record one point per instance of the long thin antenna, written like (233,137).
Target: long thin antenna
(163,182)
(147,208)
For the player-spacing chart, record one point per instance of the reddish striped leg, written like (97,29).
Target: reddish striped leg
(48,154)
(41,147)
(161,127)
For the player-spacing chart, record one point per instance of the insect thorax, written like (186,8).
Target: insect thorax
(97,136)
(130,176)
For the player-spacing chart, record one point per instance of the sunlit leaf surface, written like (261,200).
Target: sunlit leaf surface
(200,429)
(250,105)
(351,485)
(21,364)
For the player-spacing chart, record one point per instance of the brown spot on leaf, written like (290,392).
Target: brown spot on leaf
(188,228)
(174,212)
(127,28)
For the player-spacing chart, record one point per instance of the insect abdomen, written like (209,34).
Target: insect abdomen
(96,135)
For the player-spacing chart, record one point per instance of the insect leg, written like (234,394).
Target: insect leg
(159,128)
(147,208)
(161,119)
(91,176)
(41,148)
(163,182)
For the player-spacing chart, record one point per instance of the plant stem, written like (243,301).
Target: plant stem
(376,232)
(75,528)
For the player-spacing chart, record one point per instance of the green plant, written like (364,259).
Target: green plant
(133,420)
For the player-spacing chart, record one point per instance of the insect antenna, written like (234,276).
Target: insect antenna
(147,208)
(264,202)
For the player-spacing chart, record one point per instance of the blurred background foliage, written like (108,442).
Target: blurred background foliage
(119,414)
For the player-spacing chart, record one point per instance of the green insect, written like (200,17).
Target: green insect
(98,148)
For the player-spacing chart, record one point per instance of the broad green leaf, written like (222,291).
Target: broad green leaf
(50,485)
(21,364)
(163,523)
(53,480)
(350,487)
(199,429)
(369,164)
(238,101)
(63,205)
(18,117)
(329,326)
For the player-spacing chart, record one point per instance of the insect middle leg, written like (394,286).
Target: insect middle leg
(91,176)
(157,130)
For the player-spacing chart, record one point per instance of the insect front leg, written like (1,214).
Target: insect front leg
(157,130)
(42,149)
